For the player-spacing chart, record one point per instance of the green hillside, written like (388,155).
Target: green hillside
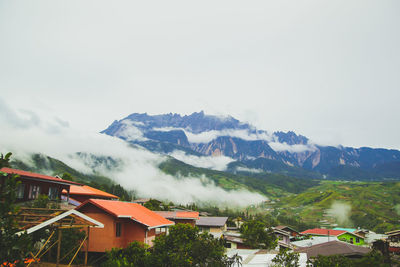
(373,204)
(272,185)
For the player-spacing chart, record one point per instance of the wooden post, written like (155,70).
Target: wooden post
(59,246)
(87,245)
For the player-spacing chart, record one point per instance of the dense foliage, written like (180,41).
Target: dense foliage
(257,234)
(372,259)
(183,246)
(13,247)
(286,258)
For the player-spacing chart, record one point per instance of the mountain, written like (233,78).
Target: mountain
(279,152)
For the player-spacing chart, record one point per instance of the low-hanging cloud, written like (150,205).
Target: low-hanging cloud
(130,132)
(218,163)
(251,170)
(341,212)
(208,136)
(397,209)
(137,170)
(296,148)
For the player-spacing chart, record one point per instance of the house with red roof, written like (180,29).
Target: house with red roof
(34,184)
(188,217)
(124,222)
(342,235)
(85,192)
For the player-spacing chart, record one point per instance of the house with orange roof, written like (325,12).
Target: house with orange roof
(124,222)
(34,184)
(188,217)
(85,192)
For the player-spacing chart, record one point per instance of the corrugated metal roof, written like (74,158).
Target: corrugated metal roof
(37,176)
(334,248)
(130,210)
(179,214)
(211,221)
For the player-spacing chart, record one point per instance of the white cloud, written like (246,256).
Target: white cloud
(244,169)
(218,163)
(130,132)
(138,169)
(208,136)
(341,212)
(297,148)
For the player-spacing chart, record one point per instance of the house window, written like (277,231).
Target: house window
(34,191)
(21,191)
(53,193)
(228,245)
(351,240)
(118,229)
(357,240)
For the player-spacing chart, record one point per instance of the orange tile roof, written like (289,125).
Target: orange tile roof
(130,210)
(88,191)
(32,175)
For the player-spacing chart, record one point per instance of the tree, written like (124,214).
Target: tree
(257,234)
(286,258)
(13,247)
(330,261)
(136,254)
(185,246)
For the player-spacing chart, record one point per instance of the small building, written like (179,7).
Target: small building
(34,184)
(314,240)
(124,222)
(283,238)
(234,241)
(141,201)
(85,192)
(342,235)
(188,217)
(290,230)
(216,225)
(393,237)
(334,248)
(260,257)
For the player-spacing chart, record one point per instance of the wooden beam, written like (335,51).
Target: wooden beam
(59,247)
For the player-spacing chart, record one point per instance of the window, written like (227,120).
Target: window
(34,191)
(21,191)
(118,229)
(357,240)
(53,193)
(351,240)
(228,245)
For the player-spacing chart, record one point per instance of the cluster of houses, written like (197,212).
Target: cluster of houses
(114,224)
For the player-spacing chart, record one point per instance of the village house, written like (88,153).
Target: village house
(334,248)
(82,193)
(34,184)
(292,232)
(341,235)
(393,237)
(234,241)
(213,225)
(188,217)
(124,222)
(283,238)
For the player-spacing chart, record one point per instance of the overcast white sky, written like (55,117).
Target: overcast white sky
(329,70)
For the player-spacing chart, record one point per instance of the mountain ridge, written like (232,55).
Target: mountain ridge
(210,135)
